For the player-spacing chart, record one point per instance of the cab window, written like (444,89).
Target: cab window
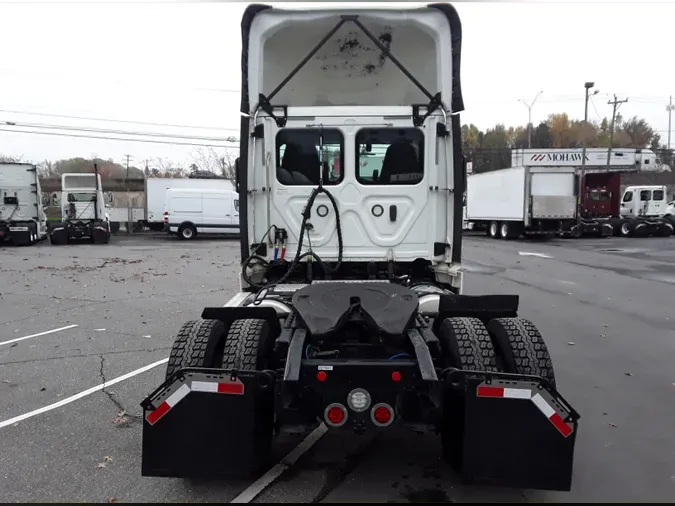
(298,156)
(628,197)
(645,195)
(658,195)
(390,156)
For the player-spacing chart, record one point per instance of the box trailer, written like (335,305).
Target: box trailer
(523,200)
(22,216)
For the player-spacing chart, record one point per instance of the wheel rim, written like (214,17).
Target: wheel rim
(493,229)
(505,230)
(624,228)
(187,233)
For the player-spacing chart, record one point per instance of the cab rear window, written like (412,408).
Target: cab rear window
(390,156)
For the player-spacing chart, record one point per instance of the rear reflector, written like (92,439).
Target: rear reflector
(235,387)
(525,393)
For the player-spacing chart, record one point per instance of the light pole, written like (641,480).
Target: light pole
(582,173)
(529,117)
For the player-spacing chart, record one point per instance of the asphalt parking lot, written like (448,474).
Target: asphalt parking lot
(72,317)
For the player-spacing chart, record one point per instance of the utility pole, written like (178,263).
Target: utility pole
(582,173)
(126,184)
(529,118)
(616,103)
(670,108)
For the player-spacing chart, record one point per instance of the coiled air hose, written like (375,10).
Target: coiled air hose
(299,255)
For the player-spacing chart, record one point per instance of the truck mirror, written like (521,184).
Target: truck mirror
(236,173)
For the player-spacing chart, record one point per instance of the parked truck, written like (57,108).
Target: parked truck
(639,210)
(529,201)
(83,210)
(22,216)
(363,326)
(621,159)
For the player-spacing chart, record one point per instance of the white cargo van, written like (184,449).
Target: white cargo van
(189,212)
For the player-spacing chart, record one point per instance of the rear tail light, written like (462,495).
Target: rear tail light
(335,415)
(382,415)
(166,216)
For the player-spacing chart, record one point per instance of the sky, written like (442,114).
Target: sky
(138,67)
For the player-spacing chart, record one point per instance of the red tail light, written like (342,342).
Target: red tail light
(166,216)
(382,415)
(336,415)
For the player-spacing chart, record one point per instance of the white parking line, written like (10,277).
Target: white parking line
(533,254)
(270,476)
(89,391)
(38,335)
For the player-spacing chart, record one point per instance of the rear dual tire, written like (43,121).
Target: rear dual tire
(245,346)
(511,345)
(503,230)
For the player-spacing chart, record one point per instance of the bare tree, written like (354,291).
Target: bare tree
(218,162)
(11,159)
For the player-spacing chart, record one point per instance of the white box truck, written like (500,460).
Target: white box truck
(155,194)
(198,211)
(517,201)
(22,217)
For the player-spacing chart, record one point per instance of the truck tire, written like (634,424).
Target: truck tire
(248,346)
(493,230)
(509,230)
(466,344)
(665,229)
(521,348)
(187,232)
(199,343)
(627,228)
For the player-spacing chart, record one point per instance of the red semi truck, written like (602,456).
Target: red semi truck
(637,211)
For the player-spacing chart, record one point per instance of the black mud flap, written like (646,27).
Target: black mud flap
(518,432)
(206,423)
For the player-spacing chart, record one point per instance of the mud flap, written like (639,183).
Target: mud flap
(518,432)
(205,423)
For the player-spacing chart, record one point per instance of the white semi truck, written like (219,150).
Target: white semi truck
(22,216)
(530,201)
(83,211)
(363,326)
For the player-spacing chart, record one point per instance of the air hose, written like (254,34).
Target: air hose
(299,255)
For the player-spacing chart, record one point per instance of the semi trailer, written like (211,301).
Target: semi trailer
(529,201)
(22,217)
(620,159)
(83,211)
(351,315)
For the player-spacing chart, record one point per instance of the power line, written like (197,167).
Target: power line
(117,132)
(117,120)
(152,141)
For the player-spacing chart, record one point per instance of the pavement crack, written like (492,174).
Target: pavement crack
(123,418)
